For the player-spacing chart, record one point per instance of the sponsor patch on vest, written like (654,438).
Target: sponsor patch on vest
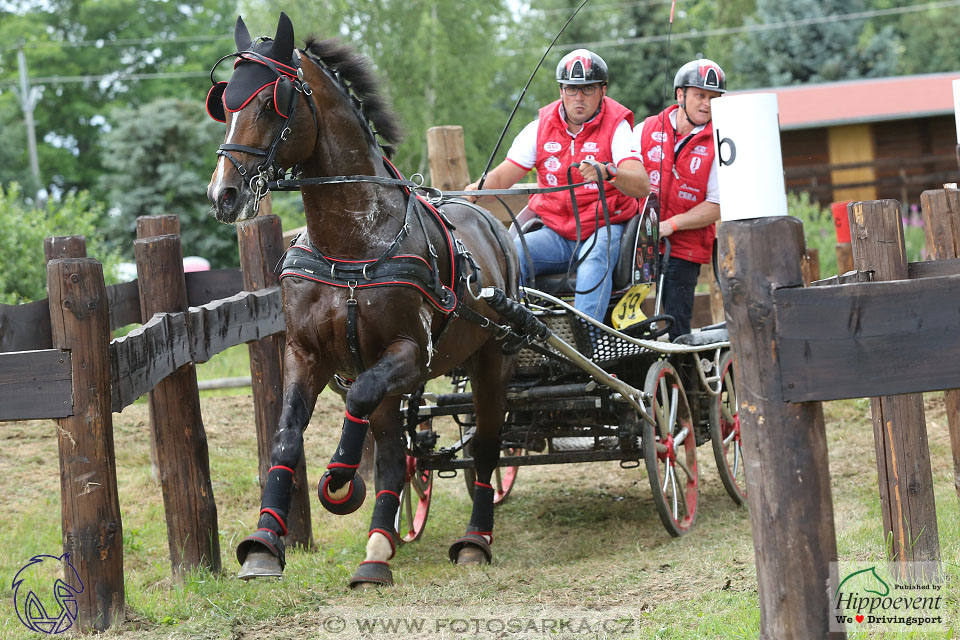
(687,196)
(659,136)
(551,180)
(590,147)
(552,147)
(552,164)
(655,154)
(700,150)
(695,164)
(689,188)
(655,177)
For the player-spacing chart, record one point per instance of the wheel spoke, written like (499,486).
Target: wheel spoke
(408,507)
(666,477)
(499,483)
(673,484)
(736,458)
(673,409)
(682,494)
(729,437)
(683,465)
(678,440)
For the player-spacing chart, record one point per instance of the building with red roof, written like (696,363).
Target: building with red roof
(869,139)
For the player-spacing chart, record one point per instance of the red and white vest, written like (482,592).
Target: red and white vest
(557,149)
(684,180)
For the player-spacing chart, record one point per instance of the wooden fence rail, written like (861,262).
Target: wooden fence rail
(62,364)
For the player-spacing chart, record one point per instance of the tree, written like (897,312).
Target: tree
(158,160)
(822,52)
(82,55)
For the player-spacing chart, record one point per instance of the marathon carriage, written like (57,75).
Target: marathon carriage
(589,392)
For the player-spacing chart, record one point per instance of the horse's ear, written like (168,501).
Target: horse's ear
(283,42)
(241,36)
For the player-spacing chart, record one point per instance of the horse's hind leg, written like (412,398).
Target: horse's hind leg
(261,554)
(382,539)
(488,374)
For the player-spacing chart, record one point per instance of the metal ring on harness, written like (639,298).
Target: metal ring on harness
(365,276)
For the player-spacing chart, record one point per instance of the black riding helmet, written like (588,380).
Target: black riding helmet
(581,66)
(702,73)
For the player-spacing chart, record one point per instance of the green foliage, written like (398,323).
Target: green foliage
(821,52)
(23,277)
(159,157)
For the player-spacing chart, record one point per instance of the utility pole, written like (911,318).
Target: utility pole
(28,99)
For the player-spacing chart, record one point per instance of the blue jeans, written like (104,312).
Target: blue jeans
(551,253)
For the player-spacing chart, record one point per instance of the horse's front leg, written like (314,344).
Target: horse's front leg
(261,554)
(341,489)
(489,371)
(387,426)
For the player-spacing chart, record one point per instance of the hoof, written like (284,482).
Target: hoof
(471,549)
(349,504)
(371,574)
(261,555)
(260,564)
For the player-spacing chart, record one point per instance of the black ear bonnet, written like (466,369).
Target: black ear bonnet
(266,64)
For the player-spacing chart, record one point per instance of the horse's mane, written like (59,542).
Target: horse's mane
(358,81)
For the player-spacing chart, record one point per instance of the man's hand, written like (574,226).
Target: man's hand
(471,187)
(589,173)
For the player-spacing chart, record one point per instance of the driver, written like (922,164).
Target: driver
(584,124)
(677,149)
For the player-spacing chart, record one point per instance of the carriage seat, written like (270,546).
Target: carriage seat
(555,283)
(704,337)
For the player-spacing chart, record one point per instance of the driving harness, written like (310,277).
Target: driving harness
(393,268)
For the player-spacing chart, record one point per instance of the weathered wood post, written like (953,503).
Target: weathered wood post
(261,246)
(899,427)
(810,267)
(448,159)
(784,444)
(182,454)
(941,224)
(150,227)
(64,247)
(90,507)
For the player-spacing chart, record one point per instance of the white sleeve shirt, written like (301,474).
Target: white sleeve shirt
(523,151)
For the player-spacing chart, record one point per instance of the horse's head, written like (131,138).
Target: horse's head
(259,105)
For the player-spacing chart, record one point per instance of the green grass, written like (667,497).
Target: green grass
(581,542)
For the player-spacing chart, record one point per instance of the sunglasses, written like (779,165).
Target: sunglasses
(586,89)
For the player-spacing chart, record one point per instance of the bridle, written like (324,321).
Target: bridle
(285,100)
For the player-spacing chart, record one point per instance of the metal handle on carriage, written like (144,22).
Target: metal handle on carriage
(663,269)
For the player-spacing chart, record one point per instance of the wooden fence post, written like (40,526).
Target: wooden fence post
(448,160)
(785,444)
(261,246)
(941,224)
(176,422)
(150,227)
(810,267)
(899,428)
(90,507)
(64,247)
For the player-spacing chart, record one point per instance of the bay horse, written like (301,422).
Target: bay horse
(379,290)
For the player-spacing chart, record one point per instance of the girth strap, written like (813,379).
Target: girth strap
(353,340)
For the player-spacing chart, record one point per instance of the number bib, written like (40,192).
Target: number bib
(627,311)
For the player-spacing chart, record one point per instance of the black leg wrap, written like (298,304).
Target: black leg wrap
(384,517)
(481,518)
(343,465)
(276,500)
(348,504)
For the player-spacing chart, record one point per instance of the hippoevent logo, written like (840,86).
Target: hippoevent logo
(871,599)
(43,601)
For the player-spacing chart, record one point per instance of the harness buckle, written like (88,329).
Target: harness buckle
(285,133)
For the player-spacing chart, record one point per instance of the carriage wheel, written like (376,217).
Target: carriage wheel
(414,501)
(725,433)
(503,478)
(670,450)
